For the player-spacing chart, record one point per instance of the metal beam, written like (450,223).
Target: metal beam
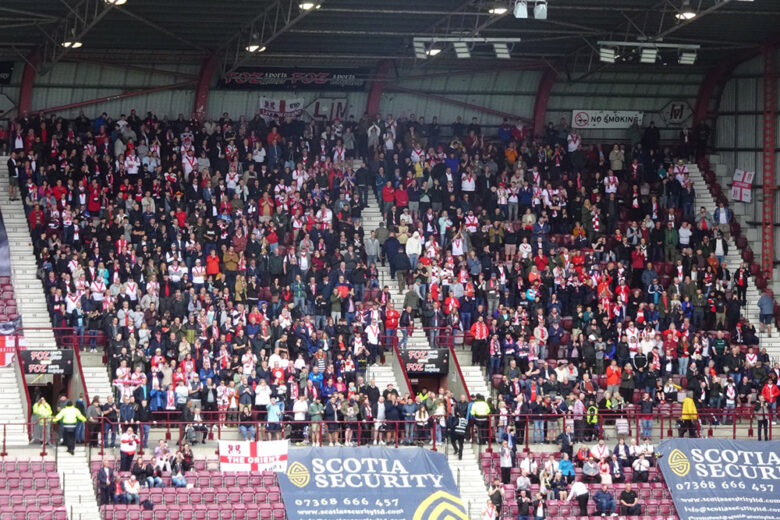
(202,90)
(115,97)
(28,14)
(542,97)
(377,85)
(263,29)
(160,29)
(26,88)
(127,66)
(74,27)
(698,16)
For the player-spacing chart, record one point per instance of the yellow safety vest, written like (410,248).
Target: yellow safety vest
(593,415)
(70,415)
(42,410)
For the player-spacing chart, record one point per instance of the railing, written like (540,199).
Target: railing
(394,342)
(484,431)
(23,382)
(361,433)
(666,421)
(454,361)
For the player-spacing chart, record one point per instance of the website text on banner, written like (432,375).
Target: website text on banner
(605,118)
(253,456)
(369,483)
(713,479)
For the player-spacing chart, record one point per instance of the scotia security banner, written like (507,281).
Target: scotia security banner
(713,479)
(369,483)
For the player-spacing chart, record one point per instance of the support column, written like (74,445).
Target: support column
(542,97)
(204,82)
(377,86)
(768,206)
(26,88)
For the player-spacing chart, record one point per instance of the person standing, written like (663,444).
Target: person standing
(689,418)
(41,419)
(762,413)
(458,429)
(70,417)
(128,445)
(580,491)
(505,460)
(94,413)
(105,479)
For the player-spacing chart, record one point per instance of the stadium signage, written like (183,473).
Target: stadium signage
(426,361)
(713,478)
(277,78)
(592,119)
(369,482)
(52,362)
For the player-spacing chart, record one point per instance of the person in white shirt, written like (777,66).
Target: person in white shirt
(580,491)
(128,445)
(132,163)
(132,490)
(300,409)
(600,450)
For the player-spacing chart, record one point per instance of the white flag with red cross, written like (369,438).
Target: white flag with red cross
(8,348)
(742,186)
(253,456)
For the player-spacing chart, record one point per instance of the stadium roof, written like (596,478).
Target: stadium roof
(366,32)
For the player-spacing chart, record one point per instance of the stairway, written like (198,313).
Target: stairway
(385,374)
(474,376)
(468,476)
(77,483)
(30,298)
(95,376)
(733,260)
(13,407)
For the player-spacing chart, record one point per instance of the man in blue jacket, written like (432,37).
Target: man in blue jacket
(605,502)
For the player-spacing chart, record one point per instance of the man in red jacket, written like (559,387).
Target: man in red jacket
(771,392)
(479,333)
(392,317)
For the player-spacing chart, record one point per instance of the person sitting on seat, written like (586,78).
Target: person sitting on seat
(132,493)
(629,502)
(641,468)
(605,502)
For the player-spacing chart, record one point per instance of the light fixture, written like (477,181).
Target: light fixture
(521,9)
(115,3)
(649,55)
(419,50)
(71,44)
(687,58)
(433,50)
(498,9)
(607,54)
(686,12)
(540,10)
(308,6)
(253,47)
(462,49)
(502,50)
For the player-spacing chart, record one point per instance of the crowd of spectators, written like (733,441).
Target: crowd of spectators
(226,265)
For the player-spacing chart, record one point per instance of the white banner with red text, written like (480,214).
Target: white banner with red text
(253,456)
